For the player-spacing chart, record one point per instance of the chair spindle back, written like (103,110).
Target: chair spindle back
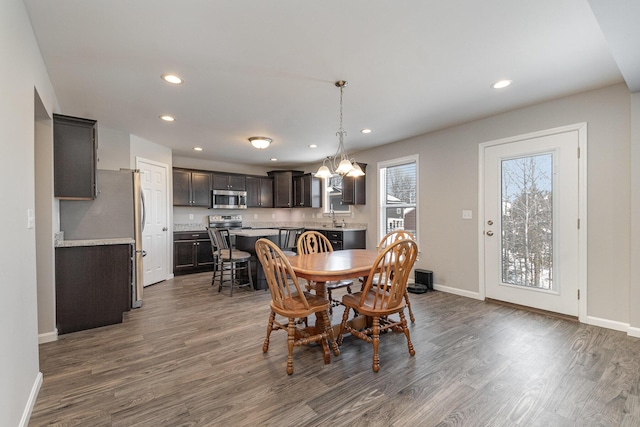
(392,267)
(278,271)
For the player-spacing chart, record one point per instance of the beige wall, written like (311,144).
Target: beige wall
(21,75)
(634,291)
(449,183)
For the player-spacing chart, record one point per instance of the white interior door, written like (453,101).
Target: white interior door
(155,240)
(531,222)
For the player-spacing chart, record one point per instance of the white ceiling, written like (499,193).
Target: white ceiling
(257,67)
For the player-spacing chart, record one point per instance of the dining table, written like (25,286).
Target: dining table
(332,266)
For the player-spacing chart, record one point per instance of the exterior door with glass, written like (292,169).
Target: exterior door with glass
(531,222)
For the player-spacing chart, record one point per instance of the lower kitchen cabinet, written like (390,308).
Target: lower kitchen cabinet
(191,252)
(346,239)
(93,286)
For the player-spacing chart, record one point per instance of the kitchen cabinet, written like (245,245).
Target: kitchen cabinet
(228,182)
(283,187)
(354,188)
(191,252)
(259,192)
(191,188)
(307,191)
(74,158)
(93,286)
(345,239)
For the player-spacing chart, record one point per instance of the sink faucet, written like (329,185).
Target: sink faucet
(333,217)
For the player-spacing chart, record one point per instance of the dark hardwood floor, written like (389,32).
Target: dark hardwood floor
(193,357)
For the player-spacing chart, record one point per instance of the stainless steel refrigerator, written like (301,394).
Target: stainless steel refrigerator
(116,212)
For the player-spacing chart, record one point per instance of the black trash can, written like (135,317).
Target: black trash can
(423,281)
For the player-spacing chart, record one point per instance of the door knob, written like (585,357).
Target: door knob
(490,222)
(164,228)
(489,233)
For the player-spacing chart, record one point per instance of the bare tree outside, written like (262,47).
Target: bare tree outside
(400,206)
(527,221)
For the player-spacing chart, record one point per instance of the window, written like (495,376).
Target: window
(333,196)
(398,181)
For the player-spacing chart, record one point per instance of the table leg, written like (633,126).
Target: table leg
(319,326)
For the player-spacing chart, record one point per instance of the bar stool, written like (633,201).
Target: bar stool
(228,261)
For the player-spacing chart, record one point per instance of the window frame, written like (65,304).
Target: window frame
(381,186)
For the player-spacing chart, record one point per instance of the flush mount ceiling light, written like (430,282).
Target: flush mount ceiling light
(260,142)
(172,78)
(197,148)
(501,84)
(345,166)
(365,131)
(168,118)
(313,146)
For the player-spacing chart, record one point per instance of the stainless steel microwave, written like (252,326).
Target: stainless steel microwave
(228,199)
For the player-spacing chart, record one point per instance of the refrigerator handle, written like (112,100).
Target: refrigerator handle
(144,210)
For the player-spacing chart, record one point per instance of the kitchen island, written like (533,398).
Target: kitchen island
(246,241)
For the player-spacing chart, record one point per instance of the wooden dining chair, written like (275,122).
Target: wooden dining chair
(384,298)
(315,242)
(392,237)
(288,239)
(228,261)
(288,300)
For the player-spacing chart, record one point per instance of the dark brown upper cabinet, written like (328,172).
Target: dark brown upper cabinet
(283,187)
(259,192)
(74,158)
(307,191)
(191,188)
(229,182)
(354,188)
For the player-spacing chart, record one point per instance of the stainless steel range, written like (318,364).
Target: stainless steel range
(232,222)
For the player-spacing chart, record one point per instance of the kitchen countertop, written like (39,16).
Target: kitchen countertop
(255,232)
(94,242)
(328,228)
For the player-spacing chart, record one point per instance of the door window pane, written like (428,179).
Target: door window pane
(527,221)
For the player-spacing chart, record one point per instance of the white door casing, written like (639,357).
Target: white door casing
(155,236)
(565,149)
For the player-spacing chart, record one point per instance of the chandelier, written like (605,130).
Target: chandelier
(340,163)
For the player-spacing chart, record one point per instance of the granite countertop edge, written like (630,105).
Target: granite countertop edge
(94,242)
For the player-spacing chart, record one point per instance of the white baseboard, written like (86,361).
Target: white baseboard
(48,337)
(590,320)
(606,323)
(31,403)
(456,291)
(633,332)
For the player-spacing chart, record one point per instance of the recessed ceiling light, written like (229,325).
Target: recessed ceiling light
(273,159)
(501,84)
(313,146)
(365,131)
(197,148)
(168,118)
(172,78)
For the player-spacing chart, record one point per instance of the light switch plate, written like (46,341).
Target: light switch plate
(467,214)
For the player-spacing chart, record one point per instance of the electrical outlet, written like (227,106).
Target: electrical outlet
(190,216)
(467,214)
(255,216)
(273,216)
